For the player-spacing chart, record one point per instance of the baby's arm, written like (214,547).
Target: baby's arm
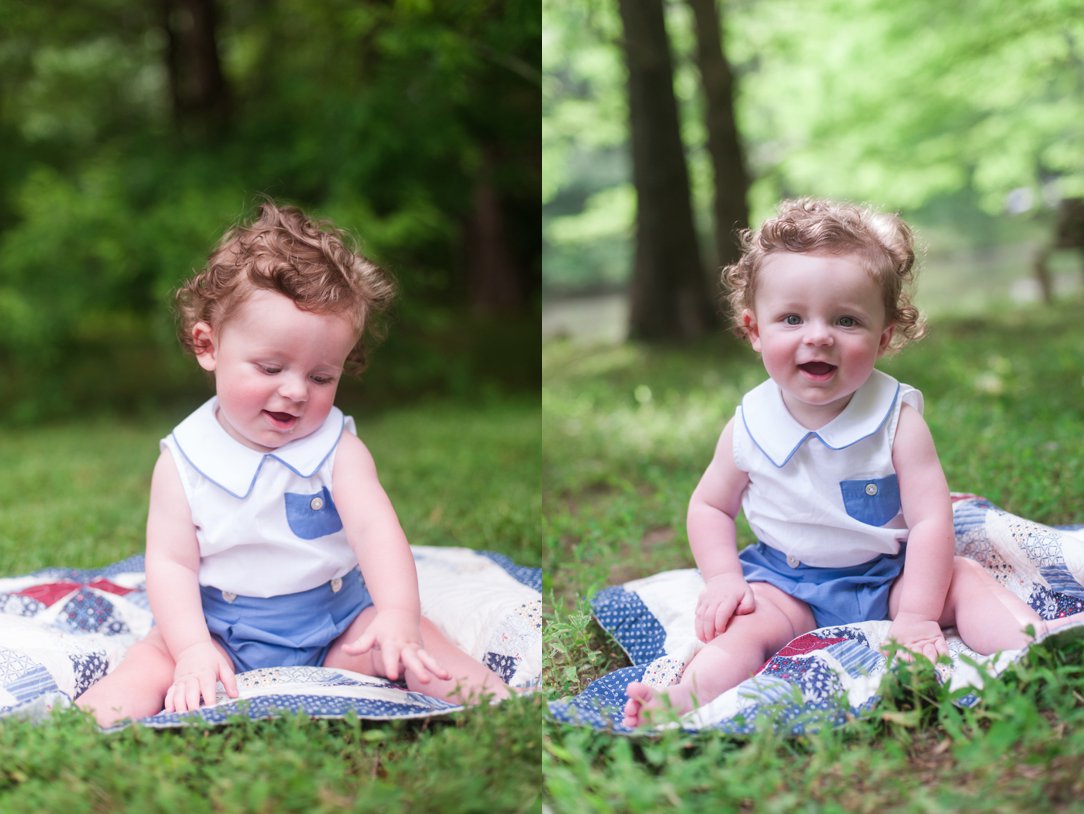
(714,505)
(173,589)
(924,496)
(387,564)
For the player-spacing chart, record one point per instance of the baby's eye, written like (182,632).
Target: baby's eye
(270,370)
(848,322)
(792,319)
(323,379)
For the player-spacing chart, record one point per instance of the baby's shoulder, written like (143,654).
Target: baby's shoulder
(351,453)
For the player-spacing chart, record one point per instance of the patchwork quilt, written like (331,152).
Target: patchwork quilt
(831,675)
(62,629)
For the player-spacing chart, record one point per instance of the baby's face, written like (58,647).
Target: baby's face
(819,324)
(276,368)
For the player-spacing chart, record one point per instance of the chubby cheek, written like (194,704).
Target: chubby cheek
(777,363)
(322,400)
(247,391)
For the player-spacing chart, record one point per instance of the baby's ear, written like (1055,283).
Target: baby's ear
(752,329)
(203,345)
(886,338)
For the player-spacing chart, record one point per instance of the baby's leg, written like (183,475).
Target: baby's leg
(729,658)
(987,615)
(470,681)
(136,688)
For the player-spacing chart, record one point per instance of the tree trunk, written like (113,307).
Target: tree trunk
(669,298)
(495,280)
(200,95)
(731,210)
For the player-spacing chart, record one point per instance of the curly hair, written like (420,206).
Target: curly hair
(313,263)
(883,243)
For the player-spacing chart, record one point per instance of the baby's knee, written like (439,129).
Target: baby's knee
(968,577)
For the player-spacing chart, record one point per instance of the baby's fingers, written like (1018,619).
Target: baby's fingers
(168,705)
(723,614)
(903,654)
(423,665)
(935,649)
(190,694)
(391,656)
(894,649)
(748,604)
(197,687)
(208,688)
(363,644)
(705,623)
(178,699)
(229,681)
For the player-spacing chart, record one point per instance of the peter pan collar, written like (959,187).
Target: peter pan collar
(778,435)
(232,466)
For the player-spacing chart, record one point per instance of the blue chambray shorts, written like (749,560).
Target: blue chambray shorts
(293,630)
(837,596)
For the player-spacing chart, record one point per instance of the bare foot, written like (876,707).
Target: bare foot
(644,701)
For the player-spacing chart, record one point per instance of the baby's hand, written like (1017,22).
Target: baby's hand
(917,636)
(723,597)
(397,636)
(198,670)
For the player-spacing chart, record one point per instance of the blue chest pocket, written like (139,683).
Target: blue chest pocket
(312,516)
(873,501)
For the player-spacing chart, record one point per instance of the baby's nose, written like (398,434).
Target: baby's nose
(293,388)
(818,333)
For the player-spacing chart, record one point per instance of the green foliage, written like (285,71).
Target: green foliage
(382,117)
(459,474)
(1020,749)
(627,431)
(481,760)
(903,104)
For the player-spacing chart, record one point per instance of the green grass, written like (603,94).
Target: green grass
(76,494)
(628,430)
(459,474)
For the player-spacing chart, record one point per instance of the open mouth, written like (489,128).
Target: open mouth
(817,369)
(283,420)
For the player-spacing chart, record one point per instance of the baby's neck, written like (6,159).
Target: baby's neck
(814,417)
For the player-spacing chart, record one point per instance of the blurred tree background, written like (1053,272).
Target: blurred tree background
(968,118)
(133,134)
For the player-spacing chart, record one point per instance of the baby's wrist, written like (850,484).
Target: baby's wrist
(190,647)
(410,614)
(736,574)
(915,616)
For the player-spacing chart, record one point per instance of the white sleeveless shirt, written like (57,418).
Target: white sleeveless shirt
(827,498)
(265,522)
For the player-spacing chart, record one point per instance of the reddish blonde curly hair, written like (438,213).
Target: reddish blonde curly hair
(883,242)
(313,263)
